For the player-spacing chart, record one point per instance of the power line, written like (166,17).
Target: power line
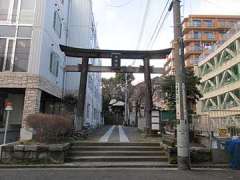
(158,25)
(142,28)
(159,29)
(159,21)
(143,24)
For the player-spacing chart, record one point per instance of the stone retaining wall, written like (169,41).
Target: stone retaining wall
(197,155)
(17,153)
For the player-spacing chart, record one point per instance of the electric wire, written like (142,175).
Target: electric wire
(158,28)
(158,31)
(159,25)
(142,28)
(143,24)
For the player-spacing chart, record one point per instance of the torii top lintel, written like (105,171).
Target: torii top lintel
(124,54)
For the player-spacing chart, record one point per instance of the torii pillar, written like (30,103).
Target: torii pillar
(148,96)
(82,95)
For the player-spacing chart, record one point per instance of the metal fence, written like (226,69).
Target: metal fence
(218,123)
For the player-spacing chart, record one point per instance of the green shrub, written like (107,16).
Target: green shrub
(48,127)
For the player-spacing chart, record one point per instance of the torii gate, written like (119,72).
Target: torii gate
(116,56)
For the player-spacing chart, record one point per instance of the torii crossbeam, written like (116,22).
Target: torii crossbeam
(84,68)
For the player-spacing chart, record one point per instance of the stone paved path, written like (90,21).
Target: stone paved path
(114,134)
(119,134)
(125,134)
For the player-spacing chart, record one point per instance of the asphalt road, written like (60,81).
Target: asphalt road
(116,174)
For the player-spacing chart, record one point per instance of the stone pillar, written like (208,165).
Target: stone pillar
(31,103)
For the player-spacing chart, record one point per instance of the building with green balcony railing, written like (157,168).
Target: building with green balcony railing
(220,76)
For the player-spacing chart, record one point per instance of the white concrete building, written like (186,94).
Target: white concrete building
(82,34)
(31,62)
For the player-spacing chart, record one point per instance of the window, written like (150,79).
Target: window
(9,56)
(4,9)
(6,50)
(57,24)
(54,64)
(27,12)
(2,52)
(209,35)
(22,55)
(196,35)
(14,13)
(25,31)
(196,23)
(7,31)
(197,46)
(208,23)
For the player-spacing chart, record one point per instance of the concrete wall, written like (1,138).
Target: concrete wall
(45,40)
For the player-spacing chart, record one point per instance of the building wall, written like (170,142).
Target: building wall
(51,40)
(40,23)
(35,23)
(220,78)
(201,32)
(80,24)
(82,34)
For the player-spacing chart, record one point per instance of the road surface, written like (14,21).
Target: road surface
(116,174)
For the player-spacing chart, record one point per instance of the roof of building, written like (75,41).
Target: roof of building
(212,17)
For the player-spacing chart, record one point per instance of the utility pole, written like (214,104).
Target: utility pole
(181,110)
(126,99)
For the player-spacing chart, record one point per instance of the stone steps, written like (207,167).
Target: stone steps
(116,152)
(116,158)
(117,148)
(119,153)
(114,144)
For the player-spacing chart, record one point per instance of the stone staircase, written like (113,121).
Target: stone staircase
(116,154)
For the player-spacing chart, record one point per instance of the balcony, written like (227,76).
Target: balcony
(188,26)
(202,37)
(189,50)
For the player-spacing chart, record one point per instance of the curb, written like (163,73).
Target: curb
(69,166)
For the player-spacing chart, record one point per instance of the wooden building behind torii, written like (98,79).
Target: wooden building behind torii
(84,68)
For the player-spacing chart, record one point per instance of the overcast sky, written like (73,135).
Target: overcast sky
(119,23)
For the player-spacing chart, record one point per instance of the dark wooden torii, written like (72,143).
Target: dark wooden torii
(84,68)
